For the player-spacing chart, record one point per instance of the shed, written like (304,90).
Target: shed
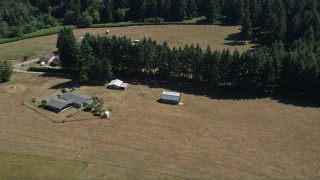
(117,84)
(47,58)
(170,97)
(57,104)
(106,115)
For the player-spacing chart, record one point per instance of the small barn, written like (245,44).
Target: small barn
(47,58)
(117,84)
(170,97)
(57,104)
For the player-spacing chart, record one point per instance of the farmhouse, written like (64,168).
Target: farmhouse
(77,100)
(57,104)
(170,97)
(47,58)
(66,100)
(117,84)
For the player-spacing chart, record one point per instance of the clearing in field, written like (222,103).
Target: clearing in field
(218,37)
(209,136)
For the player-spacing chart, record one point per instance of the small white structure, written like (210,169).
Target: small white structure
(117,84)
(135,42)
(106,115)
(42,63)
(170,97)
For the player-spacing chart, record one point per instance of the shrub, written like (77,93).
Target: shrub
(43,102)
(154,20)
(101,101)
(89,107)
(63,90)
(34,100)
(25,58)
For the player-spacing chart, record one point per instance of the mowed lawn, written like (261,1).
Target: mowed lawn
(175,35)
(20,166)
(204,138)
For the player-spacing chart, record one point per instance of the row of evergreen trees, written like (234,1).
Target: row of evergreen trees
(264,70)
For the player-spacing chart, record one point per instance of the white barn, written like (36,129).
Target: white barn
(117,84)
(170,97)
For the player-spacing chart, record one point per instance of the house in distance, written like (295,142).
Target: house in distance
(117,84)
(66,100)
(47,58)
(170,97)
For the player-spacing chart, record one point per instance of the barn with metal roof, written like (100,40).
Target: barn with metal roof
(170,97)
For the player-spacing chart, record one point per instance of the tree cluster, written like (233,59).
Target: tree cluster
(6,70)
(264,70)
(19,17)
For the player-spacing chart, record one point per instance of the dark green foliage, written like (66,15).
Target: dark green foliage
(246,30)
(6,70)
(43,102)
(69,51)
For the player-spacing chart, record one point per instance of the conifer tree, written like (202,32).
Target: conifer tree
(246,30)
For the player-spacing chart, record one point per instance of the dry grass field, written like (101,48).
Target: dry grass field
(175,35)
(205,138)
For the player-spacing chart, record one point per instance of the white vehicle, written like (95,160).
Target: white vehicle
(135,42)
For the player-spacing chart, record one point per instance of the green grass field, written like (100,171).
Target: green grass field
(176,35)
(20,166)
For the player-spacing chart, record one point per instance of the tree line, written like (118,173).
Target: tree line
(263,70)
(264,20)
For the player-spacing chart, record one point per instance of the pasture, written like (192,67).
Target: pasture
(209,136)
(218,37)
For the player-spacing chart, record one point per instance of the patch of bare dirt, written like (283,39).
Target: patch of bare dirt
(15,88)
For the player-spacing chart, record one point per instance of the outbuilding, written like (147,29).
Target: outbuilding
(47,58)
(117,84)
(170,97)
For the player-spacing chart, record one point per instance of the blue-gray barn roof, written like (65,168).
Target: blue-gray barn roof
(75,97)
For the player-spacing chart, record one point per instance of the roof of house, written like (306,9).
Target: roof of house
(75,97)
(47,57)
(116,82)
(58,103)
(173,96)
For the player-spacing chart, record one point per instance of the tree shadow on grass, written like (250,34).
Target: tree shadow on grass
(234,40)
(225,94)
(66,85)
